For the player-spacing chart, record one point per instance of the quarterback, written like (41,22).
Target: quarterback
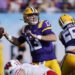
(39,36)
(67,37)
(13,67)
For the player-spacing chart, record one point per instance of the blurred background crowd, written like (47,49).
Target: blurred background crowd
(48,6)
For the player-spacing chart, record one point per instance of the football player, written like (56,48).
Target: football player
(67,37)
(13,67)
(39,36)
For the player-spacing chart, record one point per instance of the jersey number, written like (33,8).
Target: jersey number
(35,45)
(69,35)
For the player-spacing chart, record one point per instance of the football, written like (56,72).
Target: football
(1,32)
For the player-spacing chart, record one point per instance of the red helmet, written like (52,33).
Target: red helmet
(11,65)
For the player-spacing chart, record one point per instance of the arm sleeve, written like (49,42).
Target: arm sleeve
(21,39)
(46,28)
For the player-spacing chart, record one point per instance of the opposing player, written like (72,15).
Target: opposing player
(67,37)
(39,36)
(13,67)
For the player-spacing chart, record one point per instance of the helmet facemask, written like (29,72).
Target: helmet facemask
(31,16)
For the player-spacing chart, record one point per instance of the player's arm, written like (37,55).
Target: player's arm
(48,37)
(60,35)
(12,39)
(61,38)
(47,32)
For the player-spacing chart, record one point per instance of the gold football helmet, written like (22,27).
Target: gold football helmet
(29,11)
(65,20)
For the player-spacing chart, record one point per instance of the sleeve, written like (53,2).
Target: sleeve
(46,28)
(21,39)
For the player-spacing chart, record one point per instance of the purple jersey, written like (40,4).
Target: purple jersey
(68,37)
(40,50)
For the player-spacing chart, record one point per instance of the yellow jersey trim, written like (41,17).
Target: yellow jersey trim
(40,24)
(46,29)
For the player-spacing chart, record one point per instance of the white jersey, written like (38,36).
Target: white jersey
(31,69)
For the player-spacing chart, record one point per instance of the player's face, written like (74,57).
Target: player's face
(32,18)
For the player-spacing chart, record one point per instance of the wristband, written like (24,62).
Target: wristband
(39,37)
(9,37)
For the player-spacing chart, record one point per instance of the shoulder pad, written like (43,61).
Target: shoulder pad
(23,28)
